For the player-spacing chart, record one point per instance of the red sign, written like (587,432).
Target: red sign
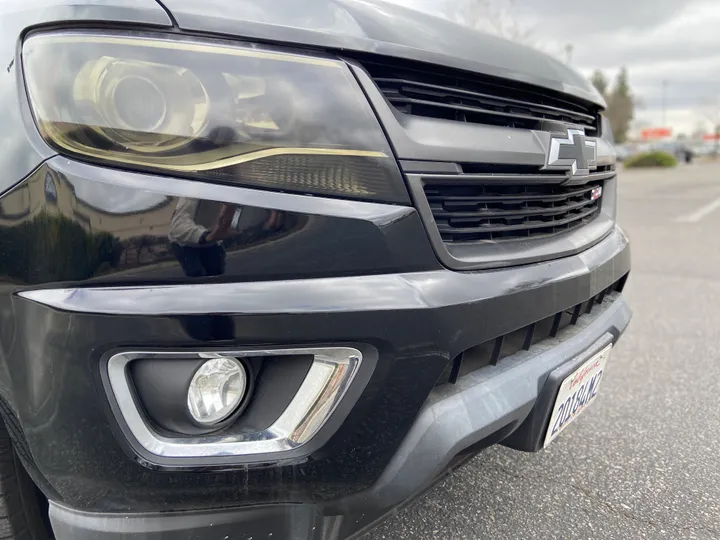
(711,137)
(651,134)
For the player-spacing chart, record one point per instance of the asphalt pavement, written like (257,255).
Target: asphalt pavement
(644,460)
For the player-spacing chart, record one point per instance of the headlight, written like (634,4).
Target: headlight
(210,110)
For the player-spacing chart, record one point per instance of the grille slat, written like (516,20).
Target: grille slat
(491,213)
(437,92)
(440,193)
(481,111)
(426,89)
(512,214)
(525,226)
(518,178)
(490,353)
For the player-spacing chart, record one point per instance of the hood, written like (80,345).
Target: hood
(374,26)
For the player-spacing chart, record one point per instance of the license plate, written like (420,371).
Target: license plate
(576,393)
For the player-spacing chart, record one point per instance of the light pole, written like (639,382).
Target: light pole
(664,90)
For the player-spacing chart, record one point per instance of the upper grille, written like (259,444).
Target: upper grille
(437,92)
(474,213)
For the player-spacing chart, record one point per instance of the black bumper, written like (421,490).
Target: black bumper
(401,434)
(483,408)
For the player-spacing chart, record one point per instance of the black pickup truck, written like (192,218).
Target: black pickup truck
(272,269)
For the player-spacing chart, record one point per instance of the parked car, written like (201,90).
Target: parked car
(271,269)
(704,148)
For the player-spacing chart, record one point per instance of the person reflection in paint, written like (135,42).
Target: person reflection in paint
(198,248)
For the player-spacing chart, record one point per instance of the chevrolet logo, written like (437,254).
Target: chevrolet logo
(573,153)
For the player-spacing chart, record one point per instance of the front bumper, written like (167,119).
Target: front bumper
(402,433)
(484,407)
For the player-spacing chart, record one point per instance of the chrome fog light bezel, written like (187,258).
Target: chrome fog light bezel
(326,383)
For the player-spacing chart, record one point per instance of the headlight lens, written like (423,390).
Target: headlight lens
(210,110)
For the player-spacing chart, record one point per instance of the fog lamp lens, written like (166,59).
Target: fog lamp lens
(216,390)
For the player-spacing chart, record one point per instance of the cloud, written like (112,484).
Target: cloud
(589,17)
(657,40)
(680,54)
(690,35)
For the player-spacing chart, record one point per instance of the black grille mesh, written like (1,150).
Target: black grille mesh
(495,350)
(437,92)
(476,213)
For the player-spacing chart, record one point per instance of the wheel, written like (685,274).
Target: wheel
(23,508)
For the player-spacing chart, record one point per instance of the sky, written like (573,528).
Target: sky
(675,41)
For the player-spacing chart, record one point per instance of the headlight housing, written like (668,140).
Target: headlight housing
(212,110)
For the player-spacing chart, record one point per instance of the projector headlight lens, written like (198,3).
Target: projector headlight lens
(211,110)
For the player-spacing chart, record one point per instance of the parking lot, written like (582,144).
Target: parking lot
(642,462)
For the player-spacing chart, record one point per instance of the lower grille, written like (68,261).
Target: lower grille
(525,339)
(466,212)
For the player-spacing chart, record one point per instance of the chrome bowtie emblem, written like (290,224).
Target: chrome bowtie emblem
(573,153)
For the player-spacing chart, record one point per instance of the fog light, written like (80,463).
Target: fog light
(216,390)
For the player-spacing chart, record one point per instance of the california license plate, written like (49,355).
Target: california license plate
(576,393)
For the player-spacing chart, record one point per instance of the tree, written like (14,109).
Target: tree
(700,131)
(494,16)
(621,106)
(620,101)
(600,82)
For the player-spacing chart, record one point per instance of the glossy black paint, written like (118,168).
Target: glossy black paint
(89,264)
(51,361)
(75,223)
(449,422)
(72,224)
(21,149)
(381,28)
(57,392)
